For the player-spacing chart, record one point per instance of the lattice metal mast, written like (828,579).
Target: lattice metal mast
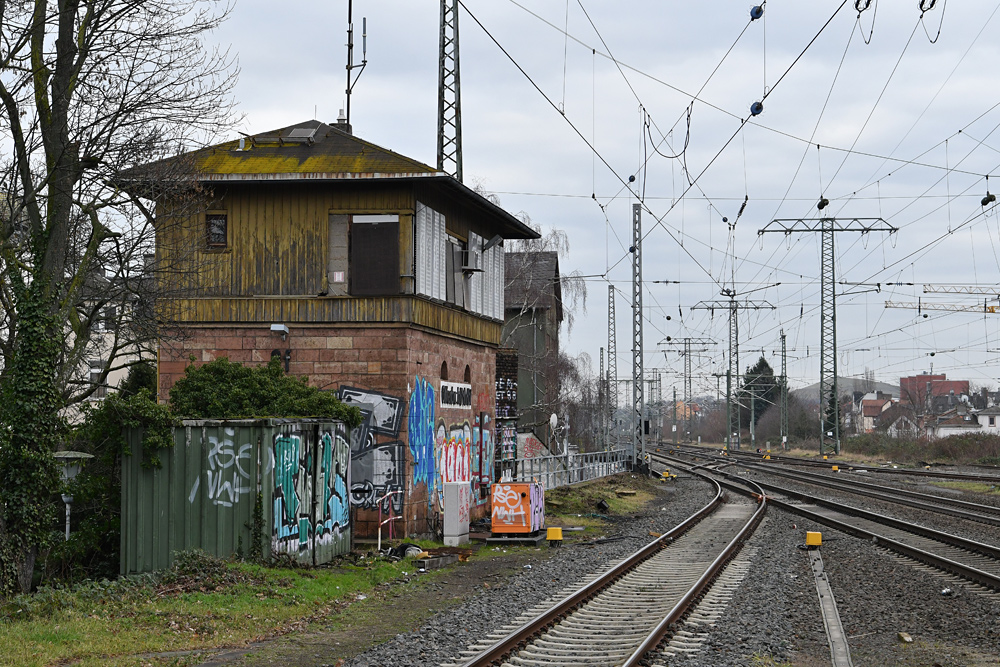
(688,353)
(733,374)
(784,394)
(449,133)
(602,400)
(638,436)
(921,306)
(612,370)
(827,227)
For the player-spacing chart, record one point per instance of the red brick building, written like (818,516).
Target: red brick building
(368,272)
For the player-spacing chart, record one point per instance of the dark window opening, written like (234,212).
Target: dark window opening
(96,368)
(468,375)
(444,370)
(374,258)
(217,229)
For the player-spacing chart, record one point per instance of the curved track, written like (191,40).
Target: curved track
(974,561)
(626,613)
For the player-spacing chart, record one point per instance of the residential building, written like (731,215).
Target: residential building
(366,271)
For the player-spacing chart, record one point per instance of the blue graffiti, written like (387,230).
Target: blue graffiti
(421,434)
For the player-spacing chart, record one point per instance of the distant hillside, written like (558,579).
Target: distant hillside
(810,394)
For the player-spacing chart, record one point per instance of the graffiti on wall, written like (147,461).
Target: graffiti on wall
(387,411)
(420,430)
(308,463)
(376,471)
(482,458)
(377,468)
(226,475)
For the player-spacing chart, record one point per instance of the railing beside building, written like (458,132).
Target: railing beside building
(566,469)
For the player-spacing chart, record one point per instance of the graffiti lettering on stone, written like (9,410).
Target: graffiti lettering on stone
(375,471)
(420,429)
(453,446)
(456,395)
(387,411)
(226,476)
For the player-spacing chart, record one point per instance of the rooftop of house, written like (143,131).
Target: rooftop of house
(312,151)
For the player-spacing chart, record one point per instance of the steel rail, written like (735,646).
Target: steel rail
(913,499)
(495,653)
(914,472)
(663,627)
(960,569)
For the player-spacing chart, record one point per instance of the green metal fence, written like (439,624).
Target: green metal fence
(204,493)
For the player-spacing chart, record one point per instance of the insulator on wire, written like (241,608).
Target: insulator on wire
(988,199)
(756,12)
(927,5)
(862,5)
(756,108)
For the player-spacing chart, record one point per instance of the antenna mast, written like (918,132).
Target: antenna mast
(350,53)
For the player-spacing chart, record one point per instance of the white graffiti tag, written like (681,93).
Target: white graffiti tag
(226,477)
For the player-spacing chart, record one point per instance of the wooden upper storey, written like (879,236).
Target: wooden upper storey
(275,221)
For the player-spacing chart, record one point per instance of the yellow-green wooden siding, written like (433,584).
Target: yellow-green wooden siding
(278,247)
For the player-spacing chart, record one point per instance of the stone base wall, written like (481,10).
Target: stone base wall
(398,371)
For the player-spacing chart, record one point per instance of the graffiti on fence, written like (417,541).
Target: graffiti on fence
(375,471)
(296,529)
(336,513)
(226,476)
(387,411)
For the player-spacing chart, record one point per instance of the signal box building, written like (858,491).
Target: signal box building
(371,274)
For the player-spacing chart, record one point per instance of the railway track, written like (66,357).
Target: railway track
(990,475)
(978,512)
(973,561)
(623,615)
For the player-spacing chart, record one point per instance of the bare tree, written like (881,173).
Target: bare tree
(89,90)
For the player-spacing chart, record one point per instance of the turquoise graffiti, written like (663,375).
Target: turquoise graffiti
(286,498)
(310,502)
(421,435)
(335,501)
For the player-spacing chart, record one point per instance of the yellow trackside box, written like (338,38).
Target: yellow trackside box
(836,468)
(814,539)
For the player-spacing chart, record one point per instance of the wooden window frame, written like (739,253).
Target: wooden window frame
(209,243)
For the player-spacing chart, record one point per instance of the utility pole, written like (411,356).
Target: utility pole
(638,435)
(602,397)
(612,371)
(784,395)
(675,417)
(733,374)
(753,409)
(688,353)
(449,133)
(828,228)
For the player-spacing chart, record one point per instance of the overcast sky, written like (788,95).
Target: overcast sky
(904,110)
